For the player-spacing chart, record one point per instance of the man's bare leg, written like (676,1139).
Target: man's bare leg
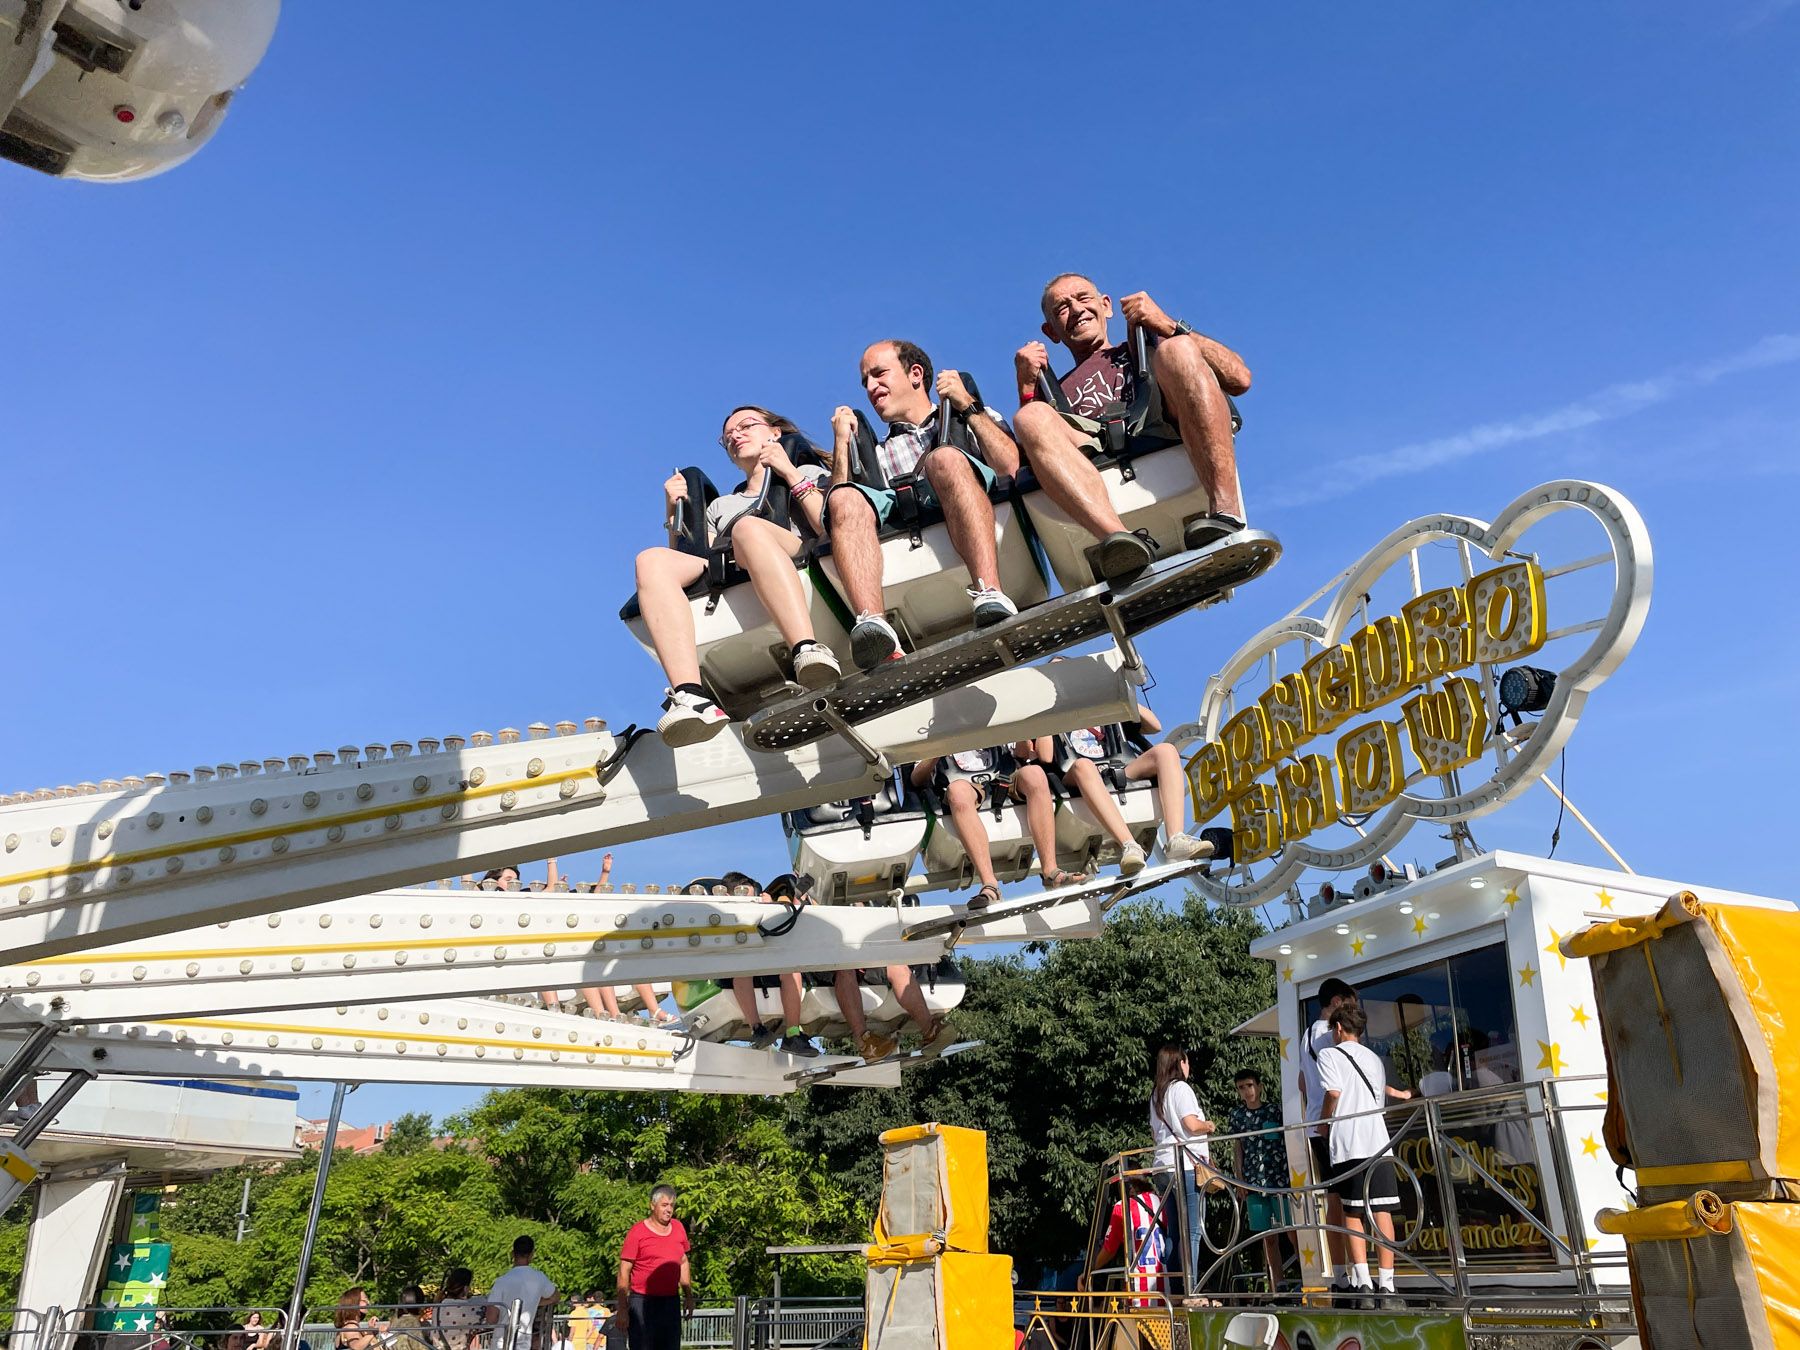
(745,992)
(849,997)
(663,574)
(767,553)
(857,548)
(912,998)
(790,999)
(1085,779)
(968,514)
(965,819)
(1191,394)
(1054,450)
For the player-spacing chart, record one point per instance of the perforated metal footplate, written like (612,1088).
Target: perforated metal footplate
(1190,581)
(1113,889)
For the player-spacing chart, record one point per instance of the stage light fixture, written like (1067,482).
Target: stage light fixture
(1526,689)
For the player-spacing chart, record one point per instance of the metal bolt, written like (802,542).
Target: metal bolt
(475,921)
(568,788)
(193,969)
(258,806)
(508,800)
(104,830)
(245,967)
(173,865)
(278,844)
(204,815)
(391,821)
(447,811)
(298,963)
(335,834)
(533,768)
(364,791)
(122,876)
(57,835)
(309,799)
(401,958)
(153,821)
(420,783)
(227,853)
(318,1042)
(138,972)
(12,842)
(477,776)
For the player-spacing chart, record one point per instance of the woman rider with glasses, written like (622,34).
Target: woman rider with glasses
(765,550)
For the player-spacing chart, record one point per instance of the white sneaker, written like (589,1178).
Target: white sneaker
(991,606)
(1131,859)
(815,666)
(872,641)
(689,719)
(1185,847)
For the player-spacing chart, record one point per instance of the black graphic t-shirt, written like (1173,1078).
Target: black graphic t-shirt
(1104,381)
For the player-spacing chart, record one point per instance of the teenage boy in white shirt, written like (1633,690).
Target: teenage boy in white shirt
(1333,994)
(1356,1091)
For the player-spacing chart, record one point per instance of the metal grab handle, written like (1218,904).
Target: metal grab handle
(1051,392)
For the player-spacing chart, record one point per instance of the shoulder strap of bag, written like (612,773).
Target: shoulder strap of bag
(1359,1073)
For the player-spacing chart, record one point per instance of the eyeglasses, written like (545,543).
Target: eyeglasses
(725,439)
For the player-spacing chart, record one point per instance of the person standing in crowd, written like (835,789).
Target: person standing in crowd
(1356,1093)
(1139,1216)
(656,1285)
(1260,1158)
(1178,1129)
(526,1286)
(1333,994)
(406,1330)
(355,1329)
(462,1313)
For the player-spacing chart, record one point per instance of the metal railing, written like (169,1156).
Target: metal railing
(1488,1197)
(777,1324)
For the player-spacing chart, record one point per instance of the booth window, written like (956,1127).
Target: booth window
(1445,1026)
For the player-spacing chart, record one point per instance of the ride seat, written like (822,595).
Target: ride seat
(744,660)
(860,849)
(1148,477)
(924,582)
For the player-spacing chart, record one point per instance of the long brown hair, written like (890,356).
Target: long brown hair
(1169,1060)
(349,1307)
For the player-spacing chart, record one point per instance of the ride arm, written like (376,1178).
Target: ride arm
(107,867)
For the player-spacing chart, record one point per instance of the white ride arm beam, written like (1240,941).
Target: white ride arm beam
(82,871)
(458,1041)
(430,944)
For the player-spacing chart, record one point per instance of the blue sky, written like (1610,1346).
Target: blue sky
(350,427)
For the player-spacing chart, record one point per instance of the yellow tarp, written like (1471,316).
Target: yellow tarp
(958,1301)
(934,1182)
(1747,951)
(1700,1215)
(1733,1269)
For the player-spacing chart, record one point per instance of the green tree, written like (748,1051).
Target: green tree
(409,1134)
(1062,1078)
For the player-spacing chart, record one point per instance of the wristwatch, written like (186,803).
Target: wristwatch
(1183,328)
(974,408)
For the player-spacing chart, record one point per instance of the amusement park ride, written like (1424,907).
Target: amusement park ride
(285,918)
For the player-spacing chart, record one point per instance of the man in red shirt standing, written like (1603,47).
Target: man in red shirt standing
(1193,374)
(656,1288)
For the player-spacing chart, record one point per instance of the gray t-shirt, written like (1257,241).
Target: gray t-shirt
(528,1286)
(728,506)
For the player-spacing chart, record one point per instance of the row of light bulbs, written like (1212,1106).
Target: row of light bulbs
(345,755)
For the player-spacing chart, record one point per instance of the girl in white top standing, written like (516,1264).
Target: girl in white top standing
(1178,1129)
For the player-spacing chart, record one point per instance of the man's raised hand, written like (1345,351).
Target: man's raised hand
(843,423)
(1030,361)
(952,390)
(1142,312)
(675,489)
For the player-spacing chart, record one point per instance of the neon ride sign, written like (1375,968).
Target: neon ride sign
(1381,722)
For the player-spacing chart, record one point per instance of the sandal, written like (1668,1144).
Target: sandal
(1059,878)
(984,897)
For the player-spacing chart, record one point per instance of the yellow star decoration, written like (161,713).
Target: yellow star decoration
(1551,1058)
(1284,1046)
(1592,1243)
(1589,1145)
(1605,898)
(1356,947)
(1600,1095)
(1555,945)
(1287,973)
(1306,1255)
(1419,925)
(1580,1015)
(1526,973)
(1298,1179)
(1511,897)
